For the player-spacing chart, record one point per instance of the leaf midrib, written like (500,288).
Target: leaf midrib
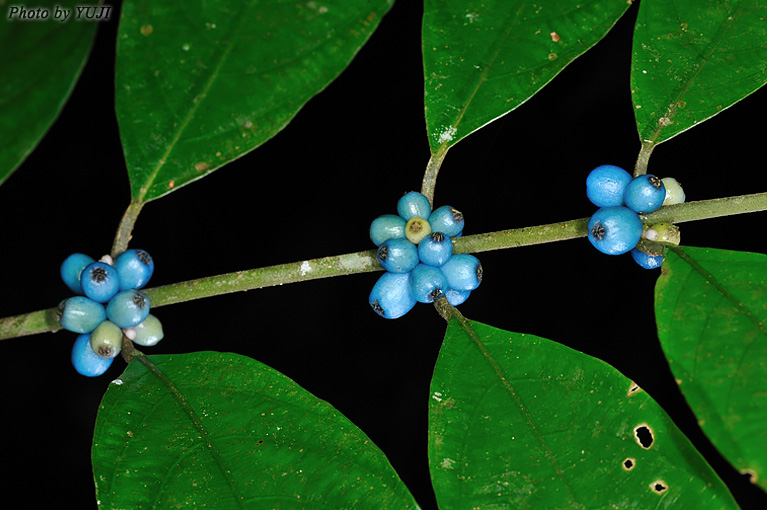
(148,183)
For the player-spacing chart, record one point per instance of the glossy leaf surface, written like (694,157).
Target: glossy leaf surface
(221,430)
(483,59)
(711,308)
(199,84)
(692,59)
(518,421)
(39,66)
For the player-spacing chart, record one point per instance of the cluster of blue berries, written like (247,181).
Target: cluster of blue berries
(108,306)
(415,248)
(616,227)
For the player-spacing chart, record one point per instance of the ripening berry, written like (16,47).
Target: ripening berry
(80,314)
(128,308)
(413,204)
(72,268)
(614,230)
(388,226)
(606,184)
(391,297)
(447,220)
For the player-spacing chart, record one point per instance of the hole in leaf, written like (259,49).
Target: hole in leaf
(750,475)
(644,435)
(629,464)
(634,388)
(659,486)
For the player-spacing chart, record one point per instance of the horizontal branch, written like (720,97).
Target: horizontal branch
(365,261)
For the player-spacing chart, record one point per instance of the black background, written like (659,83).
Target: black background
(312,191)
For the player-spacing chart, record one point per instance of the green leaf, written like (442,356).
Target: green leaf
(483,59)
(221,430)
(518,421)
(692,59)
(711,307)
(201,83)
(40,66)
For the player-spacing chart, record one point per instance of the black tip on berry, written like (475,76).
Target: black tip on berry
(144,257)
(598,231)
(478,271)
(140,300)
(457,215)
(655,181)
(436,294)
(377,308)
(383,253)
(60,310)
(437,236)
(98,274)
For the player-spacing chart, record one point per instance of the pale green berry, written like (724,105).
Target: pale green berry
(107,340)
(666,233)
(416,229)
(674,191)
(149,332)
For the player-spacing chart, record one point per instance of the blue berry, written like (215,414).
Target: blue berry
(128,308)
(87,362)
(644,194)
(391,297)
(413,204)
(447,220)
(614,230)
(645,260)
(606,184)
(100,282)
(388,226)
(107,340)
(457,297)
(135,268)
(149,332)
(463,272)
(80,314)
(71,269)
(427,283)
(398,255)
(436,249)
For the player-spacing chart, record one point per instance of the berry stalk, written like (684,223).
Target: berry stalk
(42,321)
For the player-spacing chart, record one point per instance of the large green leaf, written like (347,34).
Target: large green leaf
(692,59)
(201,83)
(518,421)
(39,67)
(483,59)
(221,430)
(711,308)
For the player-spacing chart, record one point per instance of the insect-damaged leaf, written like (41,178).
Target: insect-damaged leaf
(201,83)
(711,309)
(220,430)
(518,421)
